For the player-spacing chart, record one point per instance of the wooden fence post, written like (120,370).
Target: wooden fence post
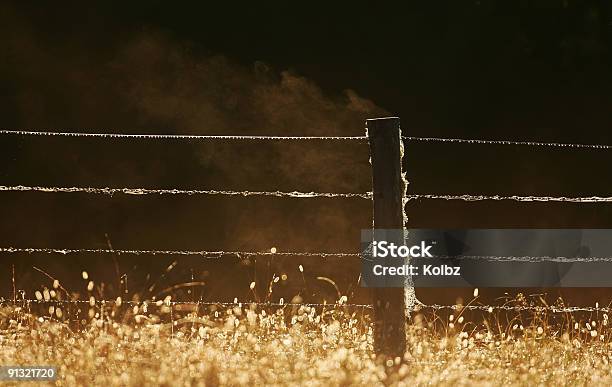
(389,306)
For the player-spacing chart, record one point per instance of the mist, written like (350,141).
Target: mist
(149,82)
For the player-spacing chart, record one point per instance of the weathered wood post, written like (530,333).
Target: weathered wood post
(388,187)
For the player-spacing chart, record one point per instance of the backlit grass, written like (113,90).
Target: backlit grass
(122,344)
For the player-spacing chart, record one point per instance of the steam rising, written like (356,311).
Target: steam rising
(150,83)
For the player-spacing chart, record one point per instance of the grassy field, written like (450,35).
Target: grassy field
(166,345)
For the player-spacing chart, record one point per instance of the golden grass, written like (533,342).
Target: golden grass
(238,346)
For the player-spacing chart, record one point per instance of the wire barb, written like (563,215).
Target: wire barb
(147,191)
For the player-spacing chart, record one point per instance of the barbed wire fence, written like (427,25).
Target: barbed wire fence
(248,304)
(215,254)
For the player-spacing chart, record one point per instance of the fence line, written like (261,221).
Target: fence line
(147,191)
(519,308)
(298,138)
(181,136)
(246,254)
(507,142)
(299,194)
(418,307)
(473,198)
(367,195)
(206,254)
(195,303)
(496,258)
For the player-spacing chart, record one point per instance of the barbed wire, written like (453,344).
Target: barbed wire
(418,307)
(367,195)
(534,308)
(299,194)
(194,303)
(203,253)
(273,137)
(215,254)
(506,142)
(180,136)
(518,198)
(148,191)
(530,259)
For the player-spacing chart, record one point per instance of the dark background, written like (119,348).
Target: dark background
(518,70)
